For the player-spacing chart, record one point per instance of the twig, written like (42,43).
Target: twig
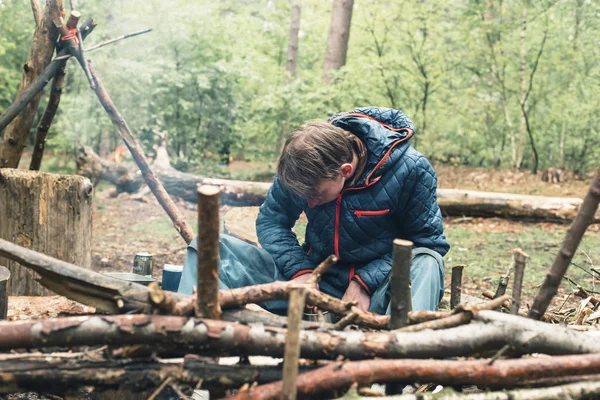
(178,391)
(345,321)
(292,342)
(160,388)
(584,218)
(107,42)
(318,272)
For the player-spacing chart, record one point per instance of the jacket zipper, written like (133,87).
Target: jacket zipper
(362,213)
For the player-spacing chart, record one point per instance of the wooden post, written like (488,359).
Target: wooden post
(48,213)
(4,277)
(207,292)
(401,295)
(502,285)
(292,342)
(456,286)
(520,259)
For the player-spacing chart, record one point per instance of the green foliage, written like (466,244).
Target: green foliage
(212,75)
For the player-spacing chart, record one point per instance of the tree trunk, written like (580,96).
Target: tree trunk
(40,55)
(48,213)
(292,53)
(337,41)
(522,126)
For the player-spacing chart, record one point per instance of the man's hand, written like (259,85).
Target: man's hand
(356,292)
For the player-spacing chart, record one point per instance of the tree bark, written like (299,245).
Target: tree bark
(292,53)
(65,372)
(401,301)
(292,343)
(520,261)
(40,55)
(561,263)
(456,286)
(47,213)
(489,331)
(337,41)
(207,290)
(341,375)
(523,70)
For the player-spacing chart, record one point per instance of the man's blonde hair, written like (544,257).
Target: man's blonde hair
(312,153)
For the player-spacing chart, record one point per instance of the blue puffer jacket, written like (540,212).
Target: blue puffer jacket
(394,198)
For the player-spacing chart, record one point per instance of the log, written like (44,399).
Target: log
(506,373)
(292,343)
(66,371)
(48,213)
(453,202)
(520,258)
(488,331)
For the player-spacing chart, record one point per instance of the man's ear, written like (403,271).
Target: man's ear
(347,170)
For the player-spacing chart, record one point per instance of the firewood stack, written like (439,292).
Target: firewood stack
(160,340)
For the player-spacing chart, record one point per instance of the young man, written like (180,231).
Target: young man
(361,185)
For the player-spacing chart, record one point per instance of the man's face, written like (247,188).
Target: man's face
(326,191)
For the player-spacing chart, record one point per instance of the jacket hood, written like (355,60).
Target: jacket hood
(384,131)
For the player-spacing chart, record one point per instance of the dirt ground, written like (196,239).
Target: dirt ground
(124,227)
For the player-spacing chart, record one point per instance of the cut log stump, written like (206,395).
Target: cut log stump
(48,213)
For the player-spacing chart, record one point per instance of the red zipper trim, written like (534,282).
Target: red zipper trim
(363,213)
(351,274)
(338,206)
(309,249)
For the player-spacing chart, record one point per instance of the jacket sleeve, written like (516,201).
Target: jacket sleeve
(420,220)
(277,216)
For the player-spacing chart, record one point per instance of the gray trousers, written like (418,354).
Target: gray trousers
(243,264)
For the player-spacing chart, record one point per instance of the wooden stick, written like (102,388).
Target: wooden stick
(207,291)
(456,286)
(136,151)
(463,316)
(502,285)
(4,277)
(341,375)
(520,258)
(401,302)
(58,83)
(315,276)
(584,218)
(292,342)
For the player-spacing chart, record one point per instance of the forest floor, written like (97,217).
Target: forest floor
(124,227)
